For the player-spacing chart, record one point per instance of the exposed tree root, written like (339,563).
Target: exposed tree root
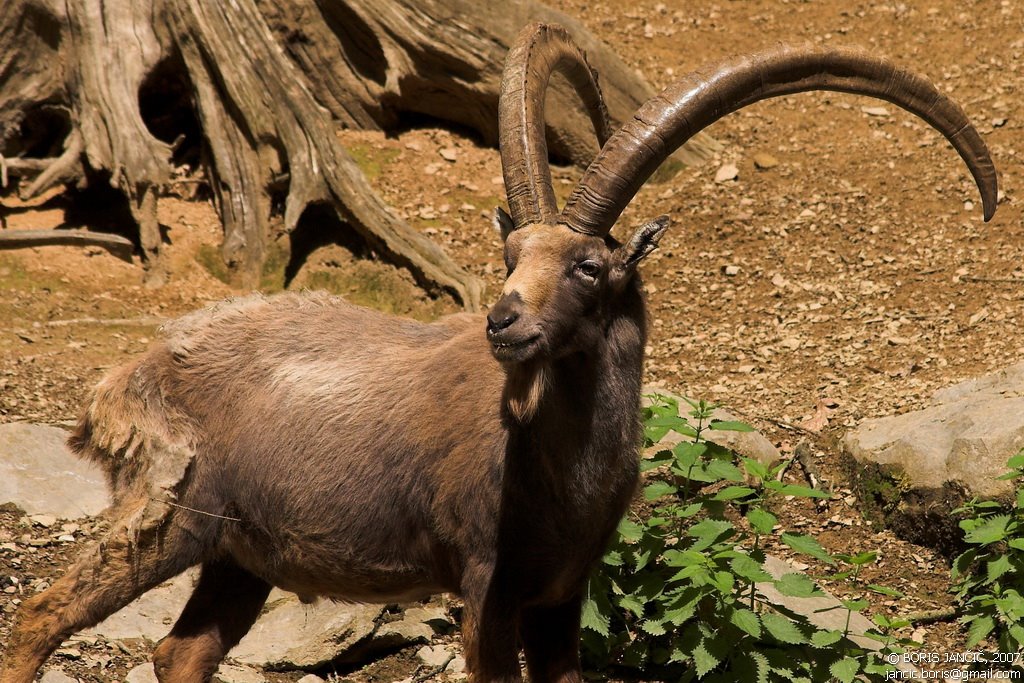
(124,91)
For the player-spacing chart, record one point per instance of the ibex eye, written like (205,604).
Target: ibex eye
(590,269)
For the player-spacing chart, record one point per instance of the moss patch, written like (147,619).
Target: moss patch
(369,283)
(372,160)
(208,256)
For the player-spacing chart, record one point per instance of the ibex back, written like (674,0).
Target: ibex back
(302,442)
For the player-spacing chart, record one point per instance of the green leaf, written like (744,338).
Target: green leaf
(782,629)
(657,489)
(593,619)
(709,529)
(884,590)
(755,468)
(730,426)
(684,558)
(749,569)
(763,522)
(659,459)
(763,667)
(724,582)
(825,639)
(845,669)
(808,546)
(631,603)
(980,628)
(688,510)
(630,531)
(1016,543)
(1016,462)
(720,469)
(654,627)
(747,621)
(991,531)
(863,558)
(734,493)
(613,558)
(997,567)
(703,660)
(797,586)
(855,605)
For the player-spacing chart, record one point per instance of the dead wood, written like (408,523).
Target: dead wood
(117,245)
(122,92)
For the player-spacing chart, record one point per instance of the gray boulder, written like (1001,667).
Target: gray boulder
(292,635)
(152,615)
(914,468)
(40,476)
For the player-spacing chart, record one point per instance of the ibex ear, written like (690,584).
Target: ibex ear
(643,242)
(503,223)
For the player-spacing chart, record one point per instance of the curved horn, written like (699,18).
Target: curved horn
(538,51)
(696,101)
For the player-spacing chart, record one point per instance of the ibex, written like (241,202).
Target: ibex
(302,442)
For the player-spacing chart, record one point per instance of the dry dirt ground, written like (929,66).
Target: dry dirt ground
(854,273)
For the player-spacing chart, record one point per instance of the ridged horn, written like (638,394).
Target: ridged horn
(539,50)
(689,105)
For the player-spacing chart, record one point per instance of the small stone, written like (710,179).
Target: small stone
(764,161)
(56,676)
(310,678)
(143,673)
(730,270)
(449,154)
(875,111)
(432,168)
(727,172)
(457,665)
(66,538)
(69,653)
(434,655)
(43,520)
(230,673)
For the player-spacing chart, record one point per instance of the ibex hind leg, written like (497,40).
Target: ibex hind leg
(143,548)
(224,605)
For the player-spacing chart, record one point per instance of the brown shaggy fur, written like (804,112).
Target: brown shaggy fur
(362,457)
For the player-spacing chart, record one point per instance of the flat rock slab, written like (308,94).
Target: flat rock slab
(963,438)
(152,615)
(42,477)
(825,611)
(913,469)
(292,635)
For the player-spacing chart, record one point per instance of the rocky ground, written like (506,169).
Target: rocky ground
(829,266)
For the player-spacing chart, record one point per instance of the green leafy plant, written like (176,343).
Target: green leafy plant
(989,577)
(677,592)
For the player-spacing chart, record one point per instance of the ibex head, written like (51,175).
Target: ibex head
(564,270)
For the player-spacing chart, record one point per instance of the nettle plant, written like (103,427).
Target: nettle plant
(988,578)
(677,594)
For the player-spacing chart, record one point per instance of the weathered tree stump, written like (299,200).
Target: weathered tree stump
(121,92)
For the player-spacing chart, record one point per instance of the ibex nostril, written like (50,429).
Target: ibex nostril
(504,313)
(497,324)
